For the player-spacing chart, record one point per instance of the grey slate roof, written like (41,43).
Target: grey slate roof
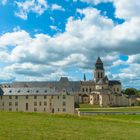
(114,82)
(103,80)
(59,86)
(29,91)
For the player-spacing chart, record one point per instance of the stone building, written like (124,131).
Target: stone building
(102,91)
(51,97)
(61,96)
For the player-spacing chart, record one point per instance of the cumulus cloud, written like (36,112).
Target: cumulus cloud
(34,6)
(83,40)
(57,7)
(127,9)
(124,9)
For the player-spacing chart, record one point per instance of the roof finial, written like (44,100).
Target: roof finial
(84,77)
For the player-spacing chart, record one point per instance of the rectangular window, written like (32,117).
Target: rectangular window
(35,97)
(57,97)
(10,109)
(10,103)
(90,89)
(16,103)
(35,109)
(10,97)
(45,97)
(45,103)
(44,109)
(26,96)
(64,96)
(64,103)
(40,103)
(2,103)
(26,106)
(35,103)
(16,97)
(64,109)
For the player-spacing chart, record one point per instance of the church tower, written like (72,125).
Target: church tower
(99,72)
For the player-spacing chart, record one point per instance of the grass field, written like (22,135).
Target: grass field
(41,126)
(92,108)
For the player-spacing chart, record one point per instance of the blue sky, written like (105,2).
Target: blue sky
(45,39)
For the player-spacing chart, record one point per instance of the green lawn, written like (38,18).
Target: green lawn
(41,126)
(88,106)
(93,108)
(116,109)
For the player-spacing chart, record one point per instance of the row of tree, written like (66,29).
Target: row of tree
(131,91)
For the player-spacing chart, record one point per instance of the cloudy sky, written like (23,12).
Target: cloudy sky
(46,39)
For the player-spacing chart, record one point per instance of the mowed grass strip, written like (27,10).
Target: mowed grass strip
(41,126)
(110,109)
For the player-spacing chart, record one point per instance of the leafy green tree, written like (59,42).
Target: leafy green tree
(130,91)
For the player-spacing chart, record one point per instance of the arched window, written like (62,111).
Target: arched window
(101,75)
(90,89)
(98,75)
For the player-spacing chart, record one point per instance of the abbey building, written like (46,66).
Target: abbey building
(102,91)
(61,96)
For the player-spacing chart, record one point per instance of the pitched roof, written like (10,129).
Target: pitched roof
(114,82)
(99,61)
(63,83)
(103,80)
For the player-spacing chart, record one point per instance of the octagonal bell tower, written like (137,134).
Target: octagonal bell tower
(99,72)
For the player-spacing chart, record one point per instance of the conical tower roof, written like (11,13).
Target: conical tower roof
(99,61)
(99,64)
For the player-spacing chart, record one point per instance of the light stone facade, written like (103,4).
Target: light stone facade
(36,99)
(102,91)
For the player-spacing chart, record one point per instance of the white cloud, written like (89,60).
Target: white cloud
(83,40)
(55,28)
(119,62)
(134,58)
(124,9)
(57,7)
(130,76)
(96,1)
(127,9)
(34,6)
(3,2)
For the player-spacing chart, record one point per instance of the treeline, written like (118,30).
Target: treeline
(131,92)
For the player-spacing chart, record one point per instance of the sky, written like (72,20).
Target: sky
(42,40)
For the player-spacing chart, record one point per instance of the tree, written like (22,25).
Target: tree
(130,91)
